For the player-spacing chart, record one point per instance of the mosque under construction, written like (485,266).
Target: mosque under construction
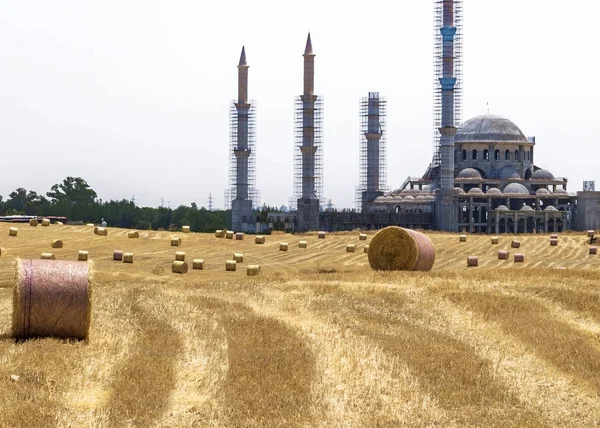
(482,177)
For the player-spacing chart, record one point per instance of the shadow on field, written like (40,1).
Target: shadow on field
(573,352)
(460,381)
(143,382)
(270,368)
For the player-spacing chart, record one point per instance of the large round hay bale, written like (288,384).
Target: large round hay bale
(515,244)
(48,256)
(175,241)
(52,299)
(219,234)
(350,248)
(591,233)
(396,248)
(230,265)
(302,244)
(593,251)
(180,256)
(179,266)
(259,239)
(362,237)
(503,255)
(33,222)
(198,264)
(185,229)
(229,234)
(82,256)
(553,242)
(519,258)
(238,257)
(366,249)
(462,238)
(253,270)
(495,240)
(133,234)
(57,243)
(46,222)
(321,235)
(117,255)
(128,258)
(283,246)
(13,231)
(239,236)
(101,231)
(472,261)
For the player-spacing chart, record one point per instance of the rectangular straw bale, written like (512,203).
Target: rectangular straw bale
(593,250)
(238,257)
(117,255)
(48,256)
(283,246)
(13,231)
(495,240)
(180,256)
(57,243)
(321,235)
(175,241)
(259,239)
(362,237)
(253,270)
(503,255)
(133,234)
(230,265)
(128,258)
(185,229)
(302,244)
(219,234)
(515,244)
(472,261)
(198,264)
(366,249)
(239,236)
(46,222)
(554,242)
(462,238)
(591,233)
(519,258)
(82,256)
(229,234)
(350,248)
(554,236)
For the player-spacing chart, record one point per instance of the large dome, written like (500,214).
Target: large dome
(489,129)
(515,189)
(542,174)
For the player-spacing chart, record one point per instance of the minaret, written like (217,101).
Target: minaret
(308,143)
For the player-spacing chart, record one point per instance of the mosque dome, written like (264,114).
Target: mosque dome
(494,191)
(502,208)
(475,191)
(459,191)
(469,173)
(380,200)
(409,197)
(429,188)
(560,191)
(542,192)
(509,172)
(550,208)
(516,189)
(526,208)
(542,174)
(489,129)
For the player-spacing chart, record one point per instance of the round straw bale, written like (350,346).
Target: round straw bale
(185,229)
(238,257)
(175,241)
(362,237)
(395,248)
(57,243)
(519,258)
(90,224)
(302,244)
(503,255)
(239,236)
(283,246)
(515,244)
(82,256)
(33,222)
(253,270)
(593,250)
(48,256)
(101,231)
(472,261)
(52,299)
(230,265)
(59,223)
(495,240)
(117,255)
(350,248)
(180,256)
(128,258)
(219,234)
(13,231)
(554,236)
(46,222)
(179,266)
(133,234)
(462,238)
(259,239)
(553,242)
(366,249)
(198,264)
(229,234)
(591,233)
(321,235)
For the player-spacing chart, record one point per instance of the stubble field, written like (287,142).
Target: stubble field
(317,340)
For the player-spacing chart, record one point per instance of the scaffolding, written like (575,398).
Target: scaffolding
(372,148)
(231,192)
(438,17)
(302,127)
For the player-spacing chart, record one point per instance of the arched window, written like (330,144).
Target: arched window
(464,155)
(528,155)
(486,155)
(497,155)
(517,155)
(507,155)
(474,154)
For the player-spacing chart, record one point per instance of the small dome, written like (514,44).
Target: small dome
(502,208)
(516,189)
(550,208)
(542,192)
(430,187)
(410,192)
(469,173)
(380,199)
(409,197)
(494,191)
(420,197)
(561,191)
(489,129)
(459,190)
(475,191)
(396,199)
(542,174)
(526,208)
(508,172)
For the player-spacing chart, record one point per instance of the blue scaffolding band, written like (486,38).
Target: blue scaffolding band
(448,33)
(447,83)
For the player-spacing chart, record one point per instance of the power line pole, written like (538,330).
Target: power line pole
(210,202)
(162,202)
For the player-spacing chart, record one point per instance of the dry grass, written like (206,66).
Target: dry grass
(317,339)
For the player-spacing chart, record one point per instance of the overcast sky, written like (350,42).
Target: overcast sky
(133,96)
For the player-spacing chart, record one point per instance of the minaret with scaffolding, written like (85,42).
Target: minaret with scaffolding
(372,150)
(308,148)
(242,194)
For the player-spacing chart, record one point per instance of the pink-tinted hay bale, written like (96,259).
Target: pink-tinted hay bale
(179,266)
(239,236)
(52,298)
(554,236)
(554,242)
(472,261)
(396,248)
(593,251)
(321,235)
(118,255)
(591,233)
(515,244)
(519,258)
(503,255)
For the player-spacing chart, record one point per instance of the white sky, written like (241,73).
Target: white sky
(133,95)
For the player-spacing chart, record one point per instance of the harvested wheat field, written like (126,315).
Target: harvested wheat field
(316,339)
